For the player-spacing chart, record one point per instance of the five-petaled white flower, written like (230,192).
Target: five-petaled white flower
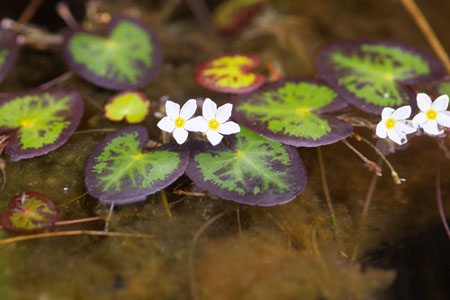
(179,122)
(432,115)
(394,125)
(214,121)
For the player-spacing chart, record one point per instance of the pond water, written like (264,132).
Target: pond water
(283,252)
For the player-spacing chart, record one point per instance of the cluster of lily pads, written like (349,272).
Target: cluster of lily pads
(258,163)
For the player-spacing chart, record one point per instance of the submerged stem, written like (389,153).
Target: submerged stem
(372,165)
(326,191)
(166,204)
(365,211)
(439,200)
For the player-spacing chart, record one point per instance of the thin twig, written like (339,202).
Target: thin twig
(74,232)
(64,12)
(394,173)
(201,13)
(29,11)
(78,221)
(192,283)
(372,165)
(363,219)
(424,26)
(2,168)
(326,191)
(238,216)
(56,81)
(96,130)
(72,200)
(439,200)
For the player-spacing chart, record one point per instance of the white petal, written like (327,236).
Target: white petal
(229,128)
(188,109)
(423,101)
(406,126)
(441,103)
(196,124)
(443,118)
(209,109)
(224,112)
(381,130)
(402,113)
(386,113)
(180,135)
(419,119)
(431,127)
(397,137)
(166,124)
(172,109)
(214,137)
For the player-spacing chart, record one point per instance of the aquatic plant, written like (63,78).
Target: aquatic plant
(231,15)
(230,73)
(121,170)
(433,116)
(127,57)
(132,106)
(31,212)
(39,121)
(372,74)
(394,125)
(293,111)
(9,50)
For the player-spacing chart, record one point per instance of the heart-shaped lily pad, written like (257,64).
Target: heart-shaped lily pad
(129,105)
(257,171)
(128,57)
(31,212)
(39,121)
(8,51)
(292,111)
(118,171)
(230,73)
(373,74)
(232,15)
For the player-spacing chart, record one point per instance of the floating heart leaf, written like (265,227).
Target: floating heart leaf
(8,51)
(129,105)
(230,74)
(128,57)
(373,74)
(32,212)
(118,171)
(39,121)
(232,15)
(257,172)
(443,87)
(291,111)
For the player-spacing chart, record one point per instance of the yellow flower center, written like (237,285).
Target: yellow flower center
(27,122)
(390,123)
(213,124)
(179,122)
(431,114)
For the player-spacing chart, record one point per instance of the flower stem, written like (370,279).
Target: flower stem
(372,165)
(439,200)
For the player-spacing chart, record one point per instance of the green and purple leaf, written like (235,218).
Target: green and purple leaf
(129,56)
(230,73)
(293,111)
(120,171)
(31,212)
(257,171)
(132,106)
(443,87)
(373,74)
(9,50)
(39,121)
(232,15)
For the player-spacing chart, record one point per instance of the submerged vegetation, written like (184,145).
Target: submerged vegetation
(239,205)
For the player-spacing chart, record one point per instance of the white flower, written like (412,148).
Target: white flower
(214,121)
(394,124)
(432,114)
(178,121)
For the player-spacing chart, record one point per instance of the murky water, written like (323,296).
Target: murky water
(283,252)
